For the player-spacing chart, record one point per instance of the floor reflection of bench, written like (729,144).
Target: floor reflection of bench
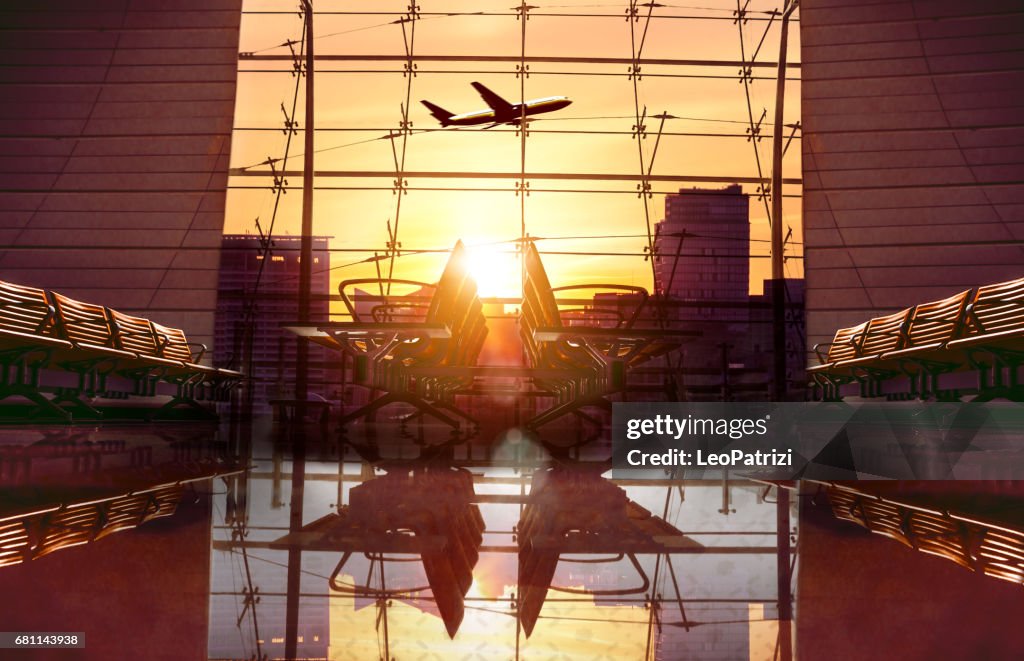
(404,348)
(593,360)
(573,513)
(29,532)
(976,543)
(980,330)
(32,535)
(428,514)
(45,334)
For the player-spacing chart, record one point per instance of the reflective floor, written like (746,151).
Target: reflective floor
(548,558)
(399,541)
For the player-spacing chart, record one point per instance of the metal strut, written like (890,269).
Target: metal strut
(279,188)
(404,130)
(764,191)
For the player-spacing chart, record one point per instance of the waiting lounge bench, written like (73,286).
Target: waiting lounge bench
(44,331)
(593,360)
(570,512)
(981,330)
(408,360)
(429,513)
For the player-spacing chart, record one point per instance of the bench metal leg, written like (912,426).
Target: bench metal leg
(185,396)
(44,405)
(567,408)
(447,406)
(74,399)
(179,401)
(394,398)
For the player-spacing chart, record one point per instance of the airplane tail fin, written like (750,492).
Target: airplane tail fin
(439,113)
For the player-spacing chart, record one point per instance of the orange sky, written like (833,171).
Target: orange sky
(370,102)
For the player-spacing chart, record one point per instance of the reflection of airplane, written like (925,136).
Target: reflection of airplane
(501,112)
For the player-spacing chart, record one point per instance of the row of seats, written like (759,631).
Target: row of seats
(402,348)
(592,357)
(979,329)
(45,330)
(422,352)
(989,549)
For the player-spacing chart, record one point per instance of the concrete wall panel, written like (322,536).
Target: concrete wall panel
(115,150)
(913,167)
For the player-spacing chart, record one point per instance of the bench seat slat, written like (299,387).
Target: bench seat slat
(13,339)
(1012,339)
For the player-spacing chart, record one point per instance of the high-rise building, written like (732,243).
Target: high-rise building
(273,348)
(703,268)
(703,252)
(703,272)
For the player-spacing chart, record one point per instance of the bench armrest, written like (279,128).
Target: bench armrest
(610,334)
(629,288)
(49,318)
(619,318)
(379,313)
(970,314)
(822,358)
(196,357)
(350,306)
(367,328)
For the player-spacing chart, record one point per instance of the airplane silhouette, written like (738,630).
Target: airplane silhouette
(501,112)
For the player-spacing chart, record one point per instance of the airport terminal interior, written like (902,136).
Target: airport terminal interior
(321,321)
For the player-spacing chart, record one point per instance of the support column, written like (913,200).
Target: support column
(779,391)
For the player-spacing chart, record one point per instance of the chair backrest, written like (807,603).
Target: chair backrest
(885,333)
(476,336)
(386,307)
(539,308)
(134,334)
(470,327)
(541,292)
(997,308)
(449,287)
(83,323)
(938,321)
(846,343)
(173,343)
(25,310)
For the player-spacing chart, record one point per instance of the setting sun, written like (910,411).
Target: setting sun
(495,268)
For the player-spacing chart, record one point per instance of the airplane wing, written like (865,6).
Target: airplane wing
(499,105)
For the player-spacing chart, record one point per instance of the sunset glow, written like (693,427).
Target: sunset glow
(495,269)
(357,102)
